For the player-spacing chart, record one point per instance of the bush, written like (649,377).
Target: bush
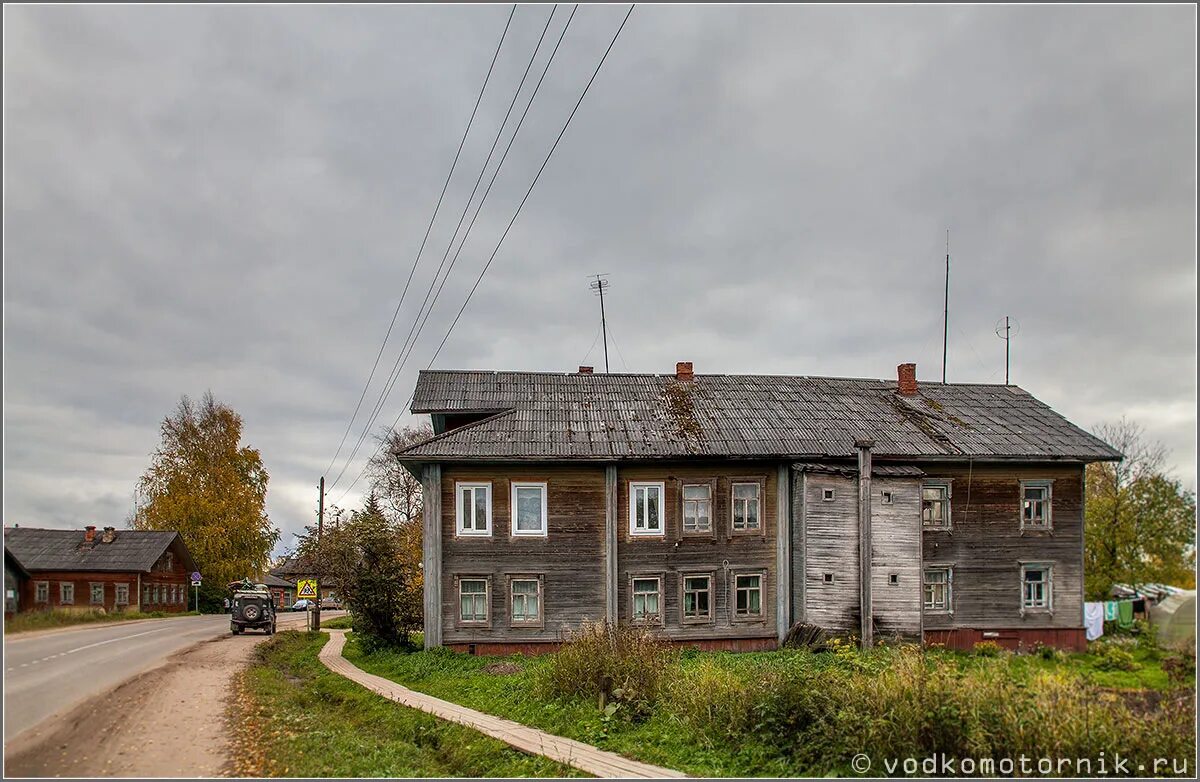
(618,664)
(987,649)
(1111,657)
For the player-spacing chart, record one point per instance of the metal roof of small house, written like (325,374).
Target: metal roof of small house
(557,416)
(66,549)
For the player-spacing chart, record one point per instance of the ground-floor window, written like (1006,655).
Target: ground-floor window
(647,599)
(937,588)
(41,592)
(122,594)
(97,594)
(697,598)
(472,600)
(526,601)
(1036,587)
(747,596)
(66,593)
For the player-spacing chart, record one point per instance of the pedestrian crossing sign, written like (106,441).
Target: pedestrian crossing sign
(307,588)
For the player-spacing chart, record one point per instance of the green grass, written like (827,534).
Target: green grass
(300,720)
(340,623)
(45,620)
(682,731)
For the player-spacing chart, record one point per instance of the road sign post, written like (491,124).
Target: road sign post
(196,589)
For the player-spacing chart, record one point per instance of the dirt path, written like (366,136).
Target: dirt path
(167,722)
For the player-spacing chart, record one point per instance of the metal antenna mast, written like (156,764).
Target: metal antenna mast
(1004,330)
(946,309)
(599,285)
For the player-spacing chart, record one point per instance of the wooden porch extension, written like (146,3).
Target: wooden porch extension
(572,753)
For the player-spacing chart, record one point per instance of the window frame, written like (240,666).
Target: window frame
(656,619)
(683,503)
(1048,582)
(540,622)
(92,585)
(146,594)
(887,497)
(41,588)
(661,532)
(512,491)
(710,617)
(926,608)
(63,588)
(487,600)
(760,485)
(761,616)
(459,531)
(947,496)
(1047,505)
(828,494)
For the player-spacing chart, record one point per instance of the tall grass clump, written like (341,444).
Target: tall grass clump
(611,663)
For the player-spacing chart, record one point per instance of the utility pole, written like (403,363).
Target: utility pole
(946,310)
(1005,332)
(320,574)
(598,285)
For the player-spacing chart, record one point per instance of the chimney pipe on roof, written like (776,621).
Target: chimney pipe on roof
(906,375)
(683,370)
(89,533)
(109,534)
(585,370)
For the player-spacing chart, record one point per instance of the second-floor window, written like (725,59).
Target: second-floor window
(529,508)
(937,588)
(935,506)
(697,508)
(474,511)
(645,508)
(745,506)
(1035,505)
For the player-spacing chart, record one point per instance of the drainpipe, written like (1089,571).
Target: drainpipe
(864,540)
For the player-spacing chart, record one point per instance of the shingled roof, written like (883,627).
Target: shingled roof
(65,549)
(555,416)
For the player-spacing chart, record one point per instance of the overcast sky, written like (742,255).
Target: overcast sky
(231,198)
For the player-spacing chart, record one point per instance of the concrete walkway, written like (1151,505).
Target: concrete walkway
(573,753)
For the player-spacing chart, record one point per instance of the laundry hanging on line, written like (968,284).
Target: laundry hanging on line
(1093,620)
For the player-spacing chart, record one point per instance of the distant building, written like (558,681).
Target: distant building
(116,570)
(283,591)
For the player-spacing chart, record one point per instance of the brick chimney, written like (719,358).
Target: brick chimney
(585,370)
(110,533)
(89,533)
(906,376)
(683,370)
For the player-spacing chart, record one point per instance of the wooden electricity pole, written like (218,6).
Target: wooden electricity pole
(320,571)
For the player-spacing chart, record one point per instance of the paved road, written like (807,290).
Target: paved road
(45,674)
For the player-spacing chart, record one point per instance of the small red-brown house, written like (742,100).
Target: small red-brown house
(117,570)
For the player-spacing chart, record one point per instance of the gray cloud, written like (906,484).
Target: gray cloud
(230,198)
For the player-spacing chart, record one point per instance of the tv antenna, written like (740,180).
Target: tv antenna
(1006,329)
(599,285)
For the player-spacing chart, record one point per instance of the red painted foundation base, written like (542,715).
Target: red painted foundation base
(964,639)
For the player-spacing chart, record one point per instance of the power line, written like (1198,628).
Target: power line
(425,238)
(511,222)
(418,326)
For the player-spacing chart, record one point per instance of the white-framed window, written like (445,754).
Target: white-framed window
(526,601)
(121,592)
(1037,586)
(939,583)
(473,601)
(828,495)
(97,596)
(747,595)
(41,592)
(647,599)
(646,508)
(529,509)
(473,509)
(697,598)
(935,506)
(145,594)
(697,507)
(66,593)
(1036,503)
(746,506)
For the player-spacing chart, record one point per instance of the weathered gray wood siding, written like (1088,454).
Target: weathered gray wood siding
(896,551)
(986,547)
(722,553)
(570,559)
(831,547)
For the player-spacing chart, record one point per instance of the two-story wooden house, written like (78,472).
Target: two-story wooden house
(719,510)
